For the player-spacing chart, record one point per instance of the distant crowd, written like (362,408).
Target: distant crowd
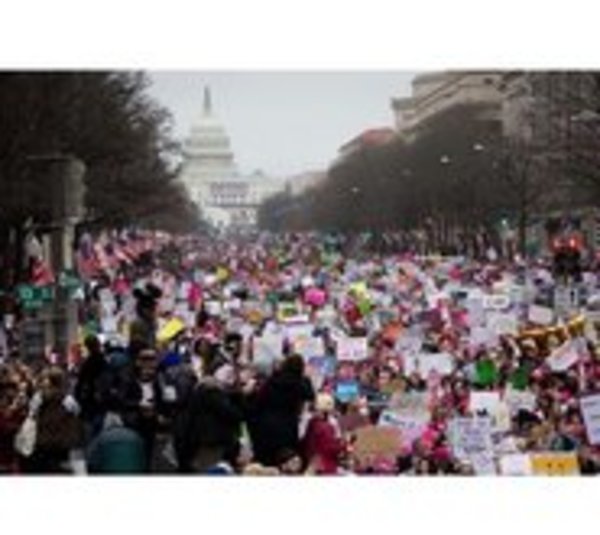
(305,354)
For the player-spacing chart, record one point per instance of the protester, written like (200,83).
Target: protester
(280,403)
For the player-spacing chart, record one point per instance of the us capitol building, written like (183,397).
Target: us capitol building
(226,198)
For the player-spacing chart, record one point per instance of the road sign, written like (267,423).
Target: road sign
(69,280)
(32,297)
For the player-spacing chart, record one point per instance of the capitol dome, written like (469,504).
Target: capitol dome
(208,137)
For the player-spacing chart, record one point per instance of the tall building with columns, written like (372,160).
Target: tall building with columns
(226,198)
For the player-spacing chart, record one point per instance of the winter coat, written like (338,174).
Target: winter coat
(322,447)
(117,450)
(274,424)
(10,423)
(209,421)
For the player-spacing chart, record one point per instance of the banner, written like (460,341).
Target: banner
(590,408)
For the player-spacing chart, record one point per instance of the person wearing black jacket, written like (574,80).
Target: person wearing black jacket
(135,394)
(207,430)
(87,390)
(277,408)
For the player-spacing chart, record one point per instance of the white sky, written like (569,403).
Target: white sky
(284,122)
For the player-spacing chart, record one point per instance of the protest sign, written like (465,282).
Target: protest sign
(475,309)
(470,436)
(540,315)
(409,343)
(267,348)
(347,391)
(410,425)
(554,464)
(213,308)
(300,336)
(425,363)
(375,443)
(496,302)
(563,357)
(516,464)
(290,313)
(590,407)
(518,399)
(170,330)
(490,404)
(484,402)
(352,349)
(501,323)
(483,336)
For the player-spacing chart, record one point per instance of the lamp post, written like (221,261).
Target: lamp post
(62,176)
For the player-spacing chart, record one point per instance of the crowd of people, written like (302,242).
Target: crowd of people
(306,354)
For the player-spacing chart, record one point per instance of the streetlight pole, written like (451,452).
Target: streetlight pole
(63,176)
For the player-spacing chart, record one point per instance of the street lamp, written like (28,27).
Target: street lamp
(478,147)
(445,159)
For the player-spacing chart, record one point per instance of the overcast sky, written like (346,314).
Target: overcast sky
(284,123)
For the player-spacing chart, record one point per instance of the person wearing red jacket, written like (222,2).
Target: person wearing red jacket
(323,445)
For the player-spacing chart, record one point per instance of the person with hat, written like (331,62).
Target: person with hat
(143,329)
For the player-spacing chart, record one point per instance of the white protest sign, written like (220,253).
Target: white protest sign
(213,308)
(353,349)
(470,436)
(590,407)
(475,309)
(490,404)
(303,342)
(516,464)
(233,305)
(483,336)
(409,343)
(540,315)
(502,323)
(267,348)
(563,357)
(496,302)
(425,363)
(517,400)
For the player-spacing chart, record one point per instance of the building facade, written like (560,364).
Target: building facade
(227,199)
(433,93)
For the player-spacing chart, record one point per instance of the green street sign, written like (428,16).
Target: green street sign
(69,280)
(33,297)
